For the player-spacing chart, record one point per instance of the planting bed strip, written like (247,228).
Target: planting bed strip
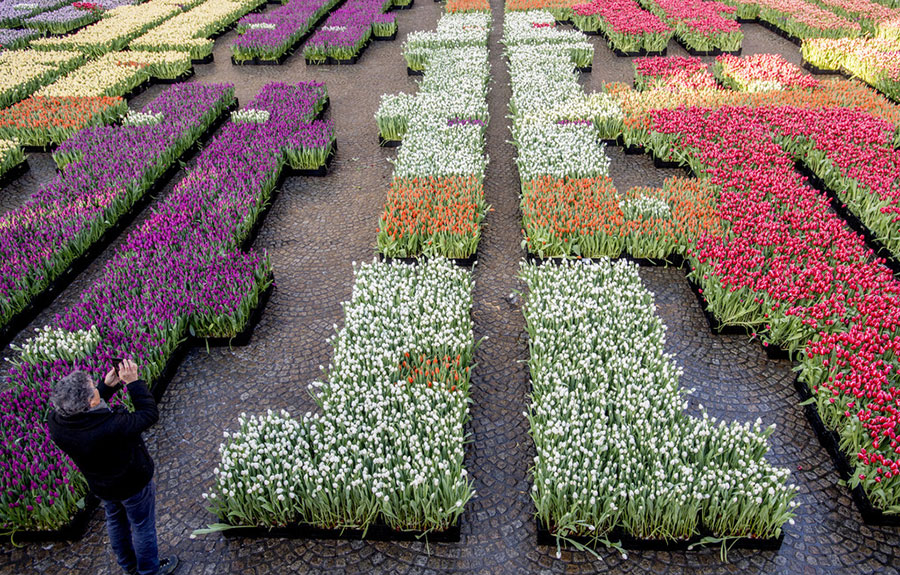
(22,319)
(71,531)
(378,531)
(547,538)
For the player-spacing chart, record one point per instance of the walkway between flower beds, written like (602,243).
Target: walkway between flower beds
(313,232)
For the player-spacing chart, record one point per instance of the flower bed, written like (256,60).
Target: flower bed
(14,12)
(875,61)
(761,72)
(118,27)
(11,155)
(625,24)
(193,279)
(15,39)
(455,6)
(105,171)
(460,30)
(191,31)
(436,202)
(88,96)
(63,20)
(556,127)
(789,269)
(588,218)
(346,32)
(41,121)
(802,20)
(22,72)
(270,35)
(615,451)
(701,25)
(388,445)
(673,73)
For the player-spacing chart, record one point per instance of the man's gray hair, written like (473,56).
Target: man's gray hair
(73,393)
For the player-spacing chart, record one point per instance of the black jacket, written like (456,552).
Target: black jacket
(107,446)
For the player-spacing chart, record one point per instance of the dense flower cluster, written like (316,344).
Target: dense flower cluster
(700,24)
(436,202)
(589,218)
(760,73)
(117,28)
(875,60)
(180,271)
(15,38)
(268,36)
(626,25)
(103,172)
(62,20)
(674,73)
(14,12)
(790,269)
(463,30)
(388,445)
(615,449)
(52,344)
(41,120)
(190,31)
(22,72)
(556,128)
(804,19)
(346,31)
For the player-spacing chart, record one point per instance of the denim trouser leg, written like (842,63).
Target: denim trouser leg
(120,534)
(139,523)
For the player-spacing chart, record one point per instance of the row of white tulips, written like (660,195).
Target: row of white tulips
(615,450)
(556,127)
(24,71)
(388,443)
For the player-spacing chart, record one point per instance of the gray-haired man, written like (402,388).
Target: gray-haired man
(106,446)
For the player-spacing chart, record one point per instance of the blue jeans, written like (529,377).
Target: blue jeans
(131,524)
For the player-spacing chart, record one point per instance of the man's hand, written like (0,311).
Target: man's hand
(128,371)
(112,378)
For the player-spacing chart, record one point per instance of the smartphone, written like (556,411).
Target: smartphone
(116,362)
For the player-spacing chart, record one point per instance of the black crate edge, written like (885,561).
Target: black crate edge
(74,530)
(673,260)
(713,52)
(411,72)
(546,538)
(388,143)
(390,38)
(319,172)
(715,326)
(376,532)
(14,173)
(461,262)
(642,53)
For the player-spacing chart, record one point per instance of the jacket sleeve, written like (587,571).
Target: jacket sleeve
(145,411)
(106,392)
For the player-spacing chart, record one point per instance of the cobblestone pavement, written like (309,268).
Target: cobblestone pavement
(316,228)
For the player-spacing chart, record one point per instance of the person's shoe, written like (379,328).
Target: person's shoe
(168,565)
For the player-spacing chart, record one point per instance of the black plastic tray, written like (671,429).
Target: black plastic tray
(388,143)
(713,52)
(74,530)
(675,260)
(715,326)
(411,72)
(14,173)
(462,262)
(319,172)
(378,531)
(636,53)
(545,537)
(390,38)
